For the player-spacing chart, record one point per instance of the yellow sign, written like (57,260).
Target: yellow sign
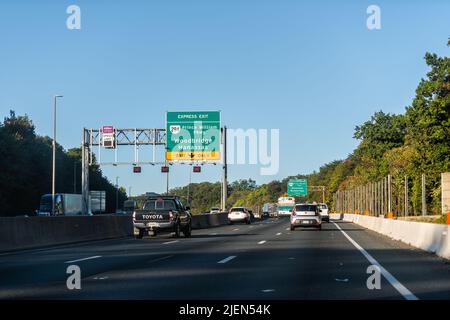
(198,155)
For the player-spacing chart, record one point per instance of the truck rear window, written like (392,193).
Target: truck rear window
(160,205)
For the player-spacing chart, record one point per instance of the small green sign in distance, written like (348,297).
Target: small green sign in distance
(297,187)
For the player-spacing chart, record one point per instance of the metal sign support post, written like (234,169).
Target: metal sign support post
(224,176)
(85,152)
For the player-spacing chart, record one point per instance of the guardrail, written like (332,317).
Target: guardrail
(31,232)
(18,233)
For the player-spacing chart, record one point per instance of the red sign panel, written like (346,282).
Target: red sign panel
(165,169)
(108,129)
(137,169)
(197,169)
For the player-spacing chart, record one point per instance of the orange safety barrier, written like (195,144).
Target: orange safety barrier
(366,212)
(448,218)
(390,215)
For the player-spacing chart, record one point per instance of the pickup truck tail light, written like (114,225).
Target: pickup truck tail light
(134,216)
(294,212)
(171,215)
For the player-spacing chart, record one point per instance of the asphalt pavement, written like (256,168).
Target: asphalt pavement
(264,260)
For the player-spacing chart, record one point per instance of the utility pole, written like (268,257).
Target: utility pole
(189,186)
(85,171)
(389,194)
(167,180)
(54,153)
(406,196)
(117,194)
(74,176)
(323,194)
(424,199)
(224,177)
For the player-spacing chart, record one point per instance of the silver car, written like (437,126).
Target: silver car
(306,215)
(239,214)
(324,212)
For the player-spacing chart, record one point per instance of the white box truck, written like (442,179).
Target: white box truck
(69,204)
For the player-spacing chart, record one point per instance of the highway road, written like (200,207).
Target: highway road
(263,260)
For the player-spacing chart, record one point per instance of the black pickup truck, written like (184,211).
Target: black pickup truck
(163,214)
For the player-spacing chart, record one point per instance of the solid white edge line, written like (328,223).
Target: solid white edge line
(408,295)
(226,259)
(83,259)
(279,233)
(262,242)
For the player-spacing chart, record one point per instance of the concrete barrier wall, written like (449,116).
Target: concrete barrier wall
(201,221)
(31,232)
(430,237)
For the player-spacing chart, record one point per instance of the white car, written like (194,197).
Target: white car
(214,210)
(324,212)
(306,215)
(239,214)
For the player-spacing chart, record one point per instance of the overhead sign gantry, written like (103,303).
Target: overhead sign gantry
(189,137)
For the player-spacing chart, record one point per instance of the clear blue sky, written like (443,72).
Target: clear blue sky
(309,68)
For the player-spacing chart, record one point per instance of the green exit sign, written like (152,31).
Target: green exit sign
(297,187)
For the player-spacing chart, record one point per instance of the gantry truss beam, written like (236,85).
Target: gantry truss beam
(135,137)
(130,137)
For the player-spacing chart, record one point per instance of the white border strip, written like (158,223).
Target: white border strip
(408,295)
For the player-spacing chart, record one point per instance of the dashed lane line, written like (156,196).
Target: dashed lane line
(226,259)
(169,242)
(83,259)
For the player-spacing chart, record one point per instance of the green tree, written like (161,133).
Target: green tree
(26,169)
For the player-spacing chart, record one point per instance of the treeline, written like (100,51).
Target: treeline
(410,144)
(26,169)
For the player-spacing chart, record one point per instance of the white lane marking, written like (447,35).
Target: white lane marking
(213,234)
(226,259)
(408,295)
(161,258)
(83,259)
(287,229)
(169,242)
(236,229)
(279,233)
(262,242)
(268,290)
